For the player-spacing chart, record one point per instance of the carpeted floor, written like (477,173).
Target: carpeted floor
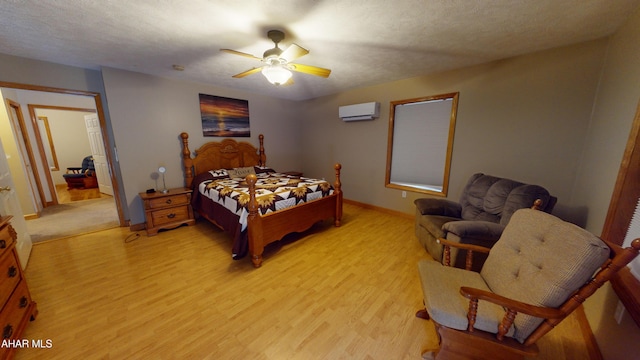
(73,218)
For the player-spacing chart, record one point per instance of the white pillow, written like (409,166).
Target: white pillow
(241,172)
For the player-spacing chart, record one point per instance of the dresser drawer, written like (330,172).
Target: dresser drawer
(165,201)
(14,311)
(165,216)
(6,239)
(10,275)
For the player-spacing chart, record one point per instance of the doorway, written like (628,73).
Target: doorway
(94,205)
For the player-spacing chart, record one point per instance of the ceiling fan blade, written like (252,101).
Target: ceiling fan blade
(234,52)
(248,72)
(312,70)
(293,52)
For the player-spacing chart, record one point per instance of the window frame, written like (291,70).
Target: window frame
(402,147)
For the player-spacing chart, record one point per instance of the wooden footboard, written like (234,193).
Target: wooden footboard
(274,226)
(271,227)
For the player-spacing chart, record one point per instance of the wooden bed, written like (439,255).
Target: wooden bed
(267,228)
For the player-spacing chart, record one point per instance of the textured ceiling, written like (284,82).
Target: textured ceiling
(363,42)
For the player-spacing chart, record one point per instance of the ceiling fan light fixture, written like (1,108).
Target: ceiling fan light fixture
(278,66)
(276,74)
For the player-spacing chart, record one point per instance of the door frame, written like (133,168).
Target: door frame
(103,127)
(34,122)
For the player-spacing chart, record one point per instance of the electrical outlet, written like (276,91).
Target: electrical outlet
(619,312)
(404,194)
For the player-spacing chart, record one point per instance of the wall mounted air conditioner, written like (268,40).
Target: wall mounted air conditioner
(366,111)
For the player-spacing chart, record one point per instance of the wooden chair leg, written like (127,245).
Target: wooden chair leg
(423,314)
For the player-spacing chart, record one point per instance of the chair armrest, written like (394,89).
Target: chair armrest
(74,170)
(479,230)
(478,248)
(432,206)
(533,310)
(446,257)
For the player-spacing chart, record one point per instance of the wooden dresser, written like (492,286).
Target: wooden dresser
(167,210)
(17,307)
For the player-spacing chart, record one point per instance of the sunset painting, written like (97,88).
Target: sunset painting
(223,116)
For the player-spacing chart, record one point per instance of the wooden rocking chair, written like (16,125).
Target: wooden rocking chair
(540,270)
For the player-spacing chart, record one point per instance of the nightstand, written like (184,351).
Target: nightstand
(167,210)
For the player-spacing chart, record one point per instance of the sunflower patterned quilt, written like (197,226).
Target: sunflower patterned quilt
(274,191)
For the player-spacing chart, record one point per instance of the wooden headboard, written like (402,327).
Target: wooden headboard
(226,154)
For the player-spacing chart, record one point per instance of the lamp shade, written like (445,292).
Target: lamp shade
(276,74)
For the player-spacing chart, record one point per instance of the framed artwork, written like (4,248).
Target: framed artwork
(224,117)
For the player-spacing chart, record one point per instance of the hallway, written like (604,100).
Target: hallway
(79,211)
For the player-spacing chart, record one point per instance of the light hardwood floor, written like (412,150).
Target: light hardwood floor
(69,195)
(337,293)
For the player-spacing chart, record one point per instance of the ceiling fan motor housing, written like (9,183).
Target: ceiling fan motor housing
(276,36)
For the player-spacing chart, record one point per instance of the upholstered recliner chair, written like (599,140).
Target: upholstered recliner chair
(485,207)
(82,177)
(540,270)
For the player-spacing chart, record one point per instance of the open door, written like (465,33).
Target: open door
(9,205)
(99,154)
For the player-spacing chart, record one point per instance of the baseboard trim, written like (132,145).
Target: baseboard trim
(137,227)
(378,208)
(32,216)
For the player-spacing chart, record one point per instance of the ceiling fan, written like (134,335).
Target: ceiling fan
(278,62)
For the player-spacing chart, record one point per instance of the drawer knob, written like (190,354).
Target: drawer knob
(7,331)
(24,302)
(171,216)
(13,271)
(168,201)
(3,244)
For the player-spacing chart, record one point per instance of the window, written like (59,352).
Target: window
(420,143)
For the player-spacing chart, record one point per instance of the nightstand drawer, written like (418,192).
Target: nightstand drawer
(173,200)
(165,216)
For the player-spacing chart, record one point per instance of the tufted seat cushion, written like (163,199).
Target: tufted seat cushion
(446,306)
(516,269)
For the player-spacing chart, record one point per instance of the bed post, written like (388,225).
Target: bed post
(186,160)
(338,190)
(254,224)
(262,161)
